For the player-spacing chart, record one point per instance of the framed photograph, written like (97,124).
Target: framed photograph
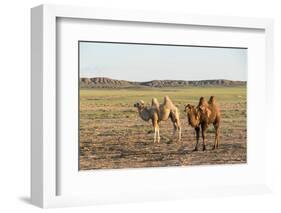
(131,106)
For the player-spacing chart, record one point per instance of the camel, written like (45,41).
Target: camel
(201,116)
(160,112)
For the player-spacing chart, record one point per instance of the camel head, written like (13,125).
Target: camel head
(139,104)
(193,115)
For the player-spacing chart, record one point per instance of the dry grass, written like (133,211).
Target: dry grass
(113,136)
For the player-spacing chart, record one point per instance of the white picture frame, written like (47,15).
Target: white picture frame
(45,169)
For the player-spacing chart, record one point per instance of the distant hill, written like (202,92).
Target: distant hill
(101,82)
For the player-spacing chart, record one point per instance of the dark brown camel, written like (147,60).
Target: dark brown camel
(201,116)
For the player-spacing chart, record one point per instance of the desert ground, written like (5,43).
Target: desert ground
(112,135)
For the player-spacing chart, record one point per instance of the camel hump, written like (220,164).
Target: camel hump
(167,102)
(212,100)
(167,99)
(202,102)
(154,102)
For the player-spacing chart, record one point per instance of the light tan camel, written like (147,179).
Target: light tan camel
(168,110)
(160,112)
(201,116)
(149,112)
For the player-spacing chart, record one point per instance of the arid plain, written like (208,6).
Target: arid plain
(112,135)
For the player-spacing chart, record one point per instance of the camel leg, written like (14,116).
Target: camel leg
(172,117)
(154,124)
(203,127)
(154,138)
(174,129)
(216,144)
(179,129)
(158,134)
(197,130)
(217,136)
(173,120)
(176,125)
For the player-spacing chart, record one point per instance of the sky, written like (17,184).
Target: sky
(143,62)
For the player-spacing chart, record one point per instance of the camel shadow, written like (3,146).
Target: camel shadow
(184,149)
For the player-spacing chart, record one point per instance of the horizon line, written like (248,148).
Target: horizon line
(214,79)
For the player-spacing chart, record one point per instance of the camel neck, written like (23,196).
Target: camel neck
(144,114)
(193,121)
